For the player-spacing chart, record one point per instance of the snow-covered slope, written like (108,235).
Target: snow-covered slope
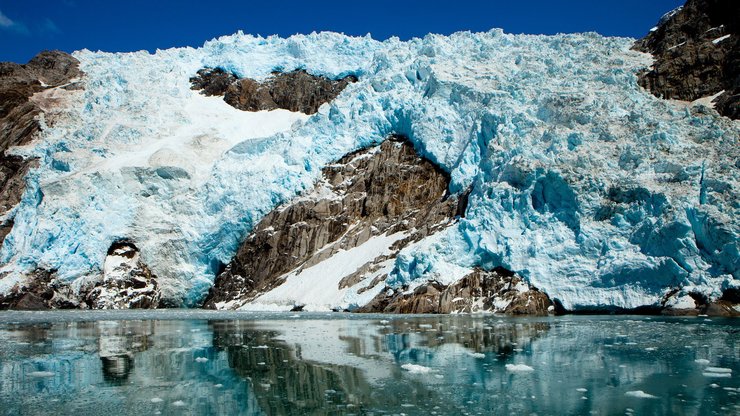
(597,192)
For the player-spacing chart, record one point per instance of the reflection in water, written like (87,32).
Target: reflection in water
(169,363)
(117,343)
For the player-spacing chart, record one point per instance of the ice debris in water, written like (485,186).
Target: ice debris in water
(717,372)
(519,368)
(41,374)
(640,394)
(591,188)
(416,369)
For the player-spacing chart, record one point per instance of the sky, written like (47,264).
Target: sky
(29,26)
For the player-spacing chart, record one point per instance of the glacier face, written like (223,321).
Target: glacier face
(594,190)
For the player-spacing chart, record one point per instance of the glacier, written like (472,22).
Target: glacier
(589,187)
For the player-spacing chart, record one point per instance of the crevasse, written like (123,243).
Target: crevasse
(595,191)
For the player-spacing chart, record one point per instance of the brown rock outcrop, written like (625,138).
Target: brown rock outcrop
(728,305)
(383,190)
(19,117)
(697,54)
(127,283)
(498,291)
(295,91)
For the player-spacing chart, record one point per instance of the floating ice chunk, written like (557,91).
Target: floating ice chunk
(718,370)
(261,347)
(716,375)
(582,390)
(701,361)
(41,374)
(477,355)
(416,369)
(178,403)
(201,359)
(640,394)
(519,368)
(720,39)
(156,400)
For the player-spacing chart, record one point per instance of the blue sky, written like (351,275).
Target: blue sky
(28,26)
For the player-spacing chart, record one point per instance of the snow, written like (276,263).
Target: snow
(589,187)
(721,38)
(640,394)
(316,288)
(519,368)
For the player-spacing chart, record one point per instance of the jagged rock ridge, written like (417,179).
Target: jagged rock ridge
(19,115)
(295,91)
(386,190)
(697,54)
(497,291)
(126,283)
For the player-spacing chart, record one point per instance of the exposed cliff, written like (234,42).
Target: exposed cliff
(294,91)
(697,54)
(582,184)
(381,191)
(19,118)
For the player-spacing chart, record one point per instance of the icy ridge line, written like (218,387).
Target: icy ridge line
(589,187)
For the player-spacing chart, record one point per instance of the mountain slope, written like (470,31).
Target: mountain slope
(580,182)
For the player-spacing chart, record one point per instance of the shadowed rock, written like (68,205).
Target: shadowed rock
(295,91)
(697,54)
(498,291)
(127,283)
(383,190)
(19,118)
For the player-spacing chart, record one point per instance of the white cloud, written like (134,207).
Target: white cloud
(10,25)
(5,21)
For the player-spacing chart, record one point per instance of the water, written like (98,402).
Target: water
(203,363)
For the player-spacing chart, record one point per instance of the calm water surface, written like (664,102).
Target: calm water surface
(211,363)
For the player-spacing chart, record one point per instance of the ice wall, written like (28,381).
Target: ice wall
(594,190)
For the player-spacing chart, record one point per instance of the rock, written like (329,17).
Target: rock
(697,54)
(30,302)
(295,91)
(212,82)
(36,293)
(727,305)
(497,291)
(127,283)
(385,189)
(18,118)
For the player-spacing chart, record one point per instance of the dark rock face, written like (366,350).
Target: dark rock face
(294,91)
(213,81)
(40,291)
(498,291)
(126,284)
(697,54)
(725,306)
(18,113)
(385,189)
